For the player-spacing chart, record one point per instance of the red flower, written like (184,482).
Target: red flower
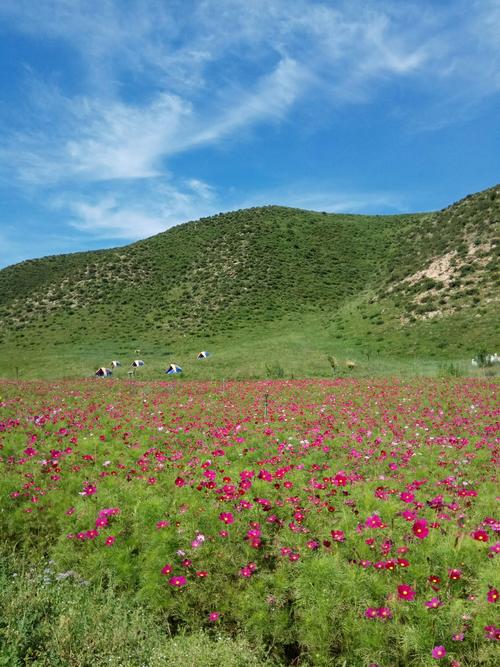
(480,535)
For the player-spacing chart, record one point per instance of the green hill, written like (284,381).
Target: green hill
(264,289)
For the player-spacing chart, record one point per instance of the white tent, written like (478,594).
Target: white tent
(137,362)
(203,355)
(103,372)
(173,369)
(115,364)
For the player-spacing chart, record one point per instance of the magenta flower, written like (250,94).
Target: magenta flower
(406,592)
(226,517)
(420,529)
(438,652)
(88,489)
(166,569)
(492,632)
(177,582)
(454,574)
(433,603)
(492,595)
(371,612)
(213,616)
(110,540)
(384,612)
(338,535)
(374,521)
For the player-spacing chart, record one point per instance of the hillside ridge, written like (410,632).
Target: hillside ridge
(380,282)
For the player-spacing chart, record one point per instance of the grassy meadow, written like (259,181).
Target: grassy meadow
(265,287)
(343,522)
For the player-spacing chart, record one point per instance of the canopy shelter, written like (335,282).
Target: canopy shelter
(115,364)
(173,369)
(137,362)
(203,355)
(103,372)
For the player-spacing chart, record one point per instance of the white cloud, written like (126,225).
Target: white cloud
(121,214)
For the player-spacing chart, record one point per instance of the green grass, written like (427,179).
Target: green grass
(254,283)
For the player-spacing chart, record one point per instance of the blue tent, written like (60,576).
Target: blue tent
(173,369)
(203,355)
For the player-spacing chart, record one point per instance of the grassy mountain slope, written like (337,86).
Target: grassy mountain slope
(271,281)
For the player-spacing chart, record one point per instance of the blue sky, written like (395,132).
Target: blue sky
(121,118)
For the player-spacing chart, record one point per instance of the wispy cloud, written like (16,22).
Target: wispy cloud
(160,79)
(320,197)
(130,215)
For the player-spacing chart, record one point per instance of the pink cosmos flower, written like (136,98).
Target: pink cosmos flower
(213,616)
(226,517)
(454,574)
(166,569)
(110,540)
(406,592)
(433,603)
(492,632)
(438,652)
(384,612)
(371,612)
(198,541)
(374,521)
(177,582)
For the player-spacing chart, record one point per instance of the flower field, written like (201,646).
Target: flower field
(335,522)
